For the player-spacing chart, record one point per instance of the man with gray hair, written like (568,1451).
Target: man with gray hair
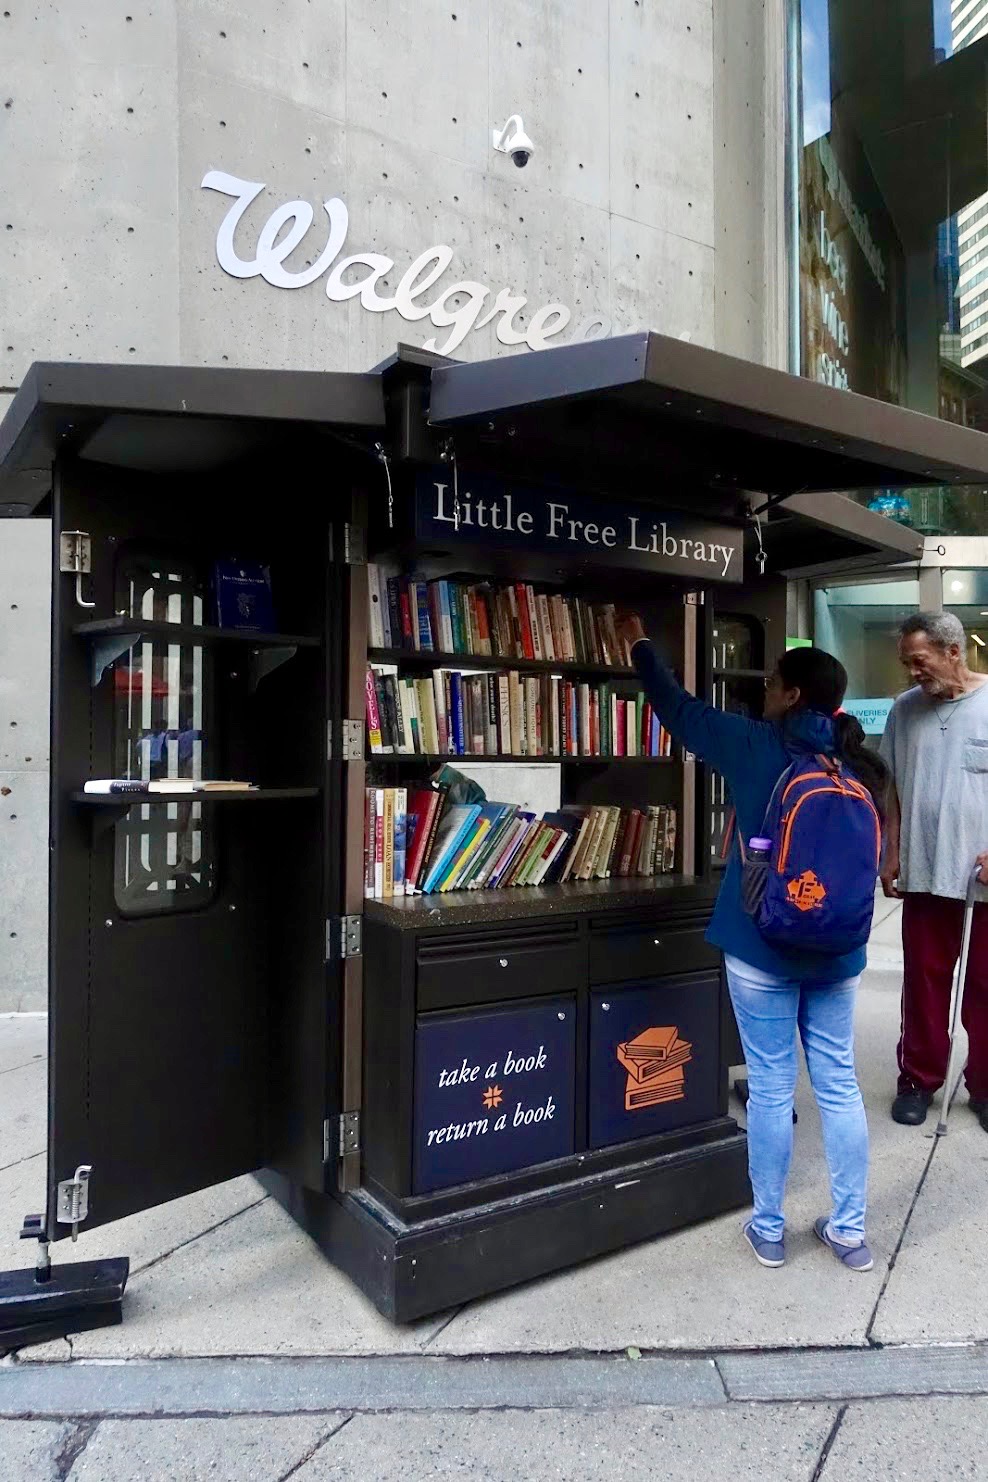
(936,747)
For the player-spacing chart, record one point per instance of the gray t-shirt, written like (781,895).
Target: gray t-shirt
(942,780)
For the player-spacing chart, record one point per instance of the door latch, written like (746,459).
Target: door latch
(73,1199)
(75,557)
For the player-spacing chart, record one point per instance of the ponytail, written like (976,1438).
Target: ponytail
(866,764)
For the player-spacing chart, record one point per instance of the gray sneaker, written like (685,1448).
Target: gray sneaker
(854,1257)
(767,1252)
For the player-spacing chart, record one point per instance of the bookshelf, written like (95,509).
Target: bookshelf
(122,626)
(620,781)
(216,795)
(418,660)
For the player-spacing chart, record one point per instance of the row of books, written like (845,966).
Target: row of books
(503,713)
(416,842)
(506,622)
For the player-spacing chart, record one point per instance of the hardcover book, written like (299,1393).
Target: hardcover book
(242,595)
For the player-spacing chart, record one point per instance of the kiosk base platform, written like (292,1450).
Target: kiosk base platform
(73,1298)
(411,1271)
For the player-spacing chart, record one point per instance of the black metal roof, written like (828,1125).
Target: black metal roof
(656,403)
(165,418)
(641,412)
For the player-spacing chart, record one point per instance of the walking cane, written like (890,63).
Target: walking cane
(950,1085)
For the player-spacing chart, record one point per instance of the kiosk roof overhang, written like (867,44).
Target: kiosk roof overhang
(645,406)
(165,418)
(738,425)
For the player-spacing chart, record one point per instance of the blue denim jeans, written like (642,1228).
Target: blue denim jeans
(769,1011)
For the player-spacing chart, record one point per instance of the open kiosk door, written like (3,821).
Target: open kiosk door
(198,579)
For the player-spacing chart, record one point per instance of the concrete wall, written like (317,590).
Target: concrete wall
(653,199)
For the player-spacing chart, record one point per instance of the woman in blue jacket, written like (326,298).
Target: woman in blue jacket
(777,992)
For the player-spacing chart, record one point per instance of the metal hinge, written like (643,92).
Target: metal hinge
(344,937)
(354,545)
(694,599)
(72,1205)
(348,1133)
(351,741)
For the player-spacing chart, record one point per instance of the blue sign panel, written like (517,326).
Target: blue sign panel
(872,714)
(654,1058)
(494,1091)
(483,511)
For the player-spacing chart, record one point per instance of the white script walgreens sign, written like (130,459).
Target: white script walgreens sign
(457,307)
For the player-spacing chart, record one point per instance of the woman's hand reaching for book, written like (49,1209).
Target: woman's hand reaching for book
(630,628)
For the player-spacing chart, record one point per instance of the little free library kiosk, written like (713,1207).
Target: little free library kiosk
(371,870)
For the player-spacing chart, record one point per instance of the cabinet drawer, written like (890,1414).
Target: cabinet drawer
(621,952)
(456,973)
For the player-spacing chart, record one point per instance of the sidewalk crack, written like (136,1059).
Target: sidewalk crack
(35,1060)
(322,1441)
(828,1444)
(72,1448)
(18,1161)
(715,1360)
(869,1339)
(209,1230)
(443,1326)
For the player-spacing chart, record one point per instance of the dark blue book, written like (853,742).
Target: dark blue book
(425,622)
(456,718)
(242,593)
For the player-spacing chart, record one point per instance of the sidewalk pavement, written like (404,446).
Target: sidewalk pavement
(803,1367)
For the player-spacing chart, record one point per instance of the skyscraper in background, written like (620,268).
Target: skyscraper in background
(969,22)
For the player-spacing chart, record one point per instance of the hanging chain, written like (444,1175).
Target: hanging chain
(382,457)
(761,556)
(448,455)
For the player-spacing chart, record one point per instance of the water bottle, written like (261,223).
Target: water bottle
(755,873)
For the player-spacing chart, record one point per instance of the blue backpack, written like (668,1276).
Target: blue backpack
(817,892)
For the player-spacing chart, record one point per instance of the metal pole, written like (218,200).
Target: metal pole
(949,1085)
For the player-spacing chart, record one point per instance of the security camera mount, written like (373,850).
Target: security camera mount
(513,140)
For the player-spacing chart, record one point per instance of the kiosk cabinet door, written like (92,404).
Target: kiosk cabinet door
(189,986)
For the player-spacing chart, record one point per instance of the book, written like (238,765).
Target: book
(373,714)
(454,825)
(370,798)
(242,596)
(422,803)
(431,824)
(375,620)
(514,845)
(487,853)
(388,847)
(464,856)
(114,785)
(653,1044)
(191,785)
(636,1096)
(400,839)
(379,843)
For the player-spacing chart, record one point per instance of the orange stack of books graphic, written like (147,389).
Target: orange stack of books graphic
(654,1061)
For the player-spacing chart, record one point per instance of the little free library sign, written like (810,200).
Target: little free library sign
(479,510)
(494,1091)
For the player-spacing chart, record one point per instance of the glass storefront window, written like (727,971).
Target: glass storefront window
(893,205)
(965,593)
(858,624)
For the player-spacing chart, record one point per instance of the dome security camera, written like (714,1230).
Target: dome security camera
(513,140)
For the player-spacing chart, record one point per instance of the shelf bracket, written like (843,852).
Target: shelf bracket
(264,661)
(106,651)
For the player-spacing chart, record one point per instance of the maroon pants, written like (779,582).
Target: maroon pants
(931,941)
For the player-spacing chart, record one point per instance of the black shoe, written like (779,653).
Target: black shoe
(910,1107)
(980,1109)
